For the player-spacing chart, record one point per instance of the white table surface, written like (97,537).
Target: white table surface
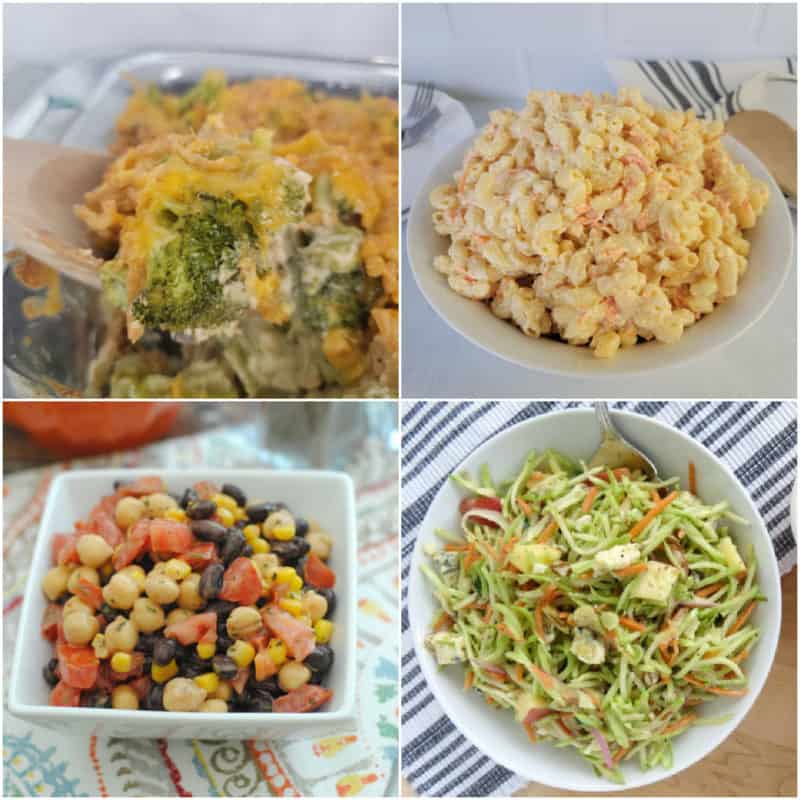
(437,362)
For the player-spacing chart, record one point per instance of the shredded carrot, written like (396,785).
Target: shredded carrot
(741,575)
(547,533)
(564,727)
(547,680)
(472,557)
(524,506)
(620,754)
(519,673)
(492,551)
(591,495)
(652,514)
(631,569)
(691,679)
(727,692)
(443,623)
(488,614)
(469,679)
(586,575)
(503,628)
(706,591)
(743,617)
(665,679)
(531,733)
(618,473)
(539,621)
(457,548)
(679,725)
(632,625)
(692,478)
(741,657)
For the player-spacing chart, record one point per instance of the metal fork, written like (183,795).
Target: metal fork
(420,103)
(418,130)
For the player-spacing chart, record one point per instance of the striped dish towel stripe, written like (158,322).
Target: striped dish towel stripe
(715,89)
(757,440)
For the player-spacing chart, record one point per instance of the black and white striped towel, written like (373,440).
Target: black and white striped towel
(758,441)
(715,89)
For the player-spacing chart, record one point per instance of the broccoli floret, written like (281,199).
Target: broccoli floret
(205,379)
(188,277)
(114,278)
(142,374)
(206,92)
(344,301)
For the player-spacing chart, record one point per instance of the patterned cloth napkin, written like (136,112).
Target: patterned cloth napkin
(358,761)
(758,441)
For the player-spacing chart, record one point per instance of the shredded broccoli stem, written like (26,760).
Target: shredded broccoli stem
(544,620)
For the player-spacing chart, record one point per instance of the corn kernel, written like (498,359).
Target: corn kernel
(306,620)
(242,653)
(260,546)
(296,583)
(163,674)
(283,534)
(208,681)
(239,513)
(276,650)
(121,662)
(224,501)
(100,647)
(206,649)
(323,630)
(284,574)
(225,517)
(294,607)
(177,569)
(224,691)
(251,532)
(176,515)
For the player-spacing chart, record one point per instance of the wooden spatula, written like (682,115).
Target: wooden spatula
(773,141)
(41,184)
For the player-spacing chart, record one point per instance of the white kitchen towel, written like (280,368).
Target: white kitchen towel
(454,126)
(715,89)
(757,440)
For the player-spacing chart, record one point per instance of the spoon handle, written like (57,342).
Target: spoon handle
(604,418)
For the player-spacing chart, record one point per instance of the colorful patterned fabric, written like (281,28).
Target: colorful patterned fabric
(357,761)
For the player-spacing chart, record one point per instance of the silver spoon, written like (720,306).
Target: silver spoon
(614,451)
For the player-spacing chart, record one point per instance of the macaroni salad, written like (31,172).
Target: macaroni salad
(599,220)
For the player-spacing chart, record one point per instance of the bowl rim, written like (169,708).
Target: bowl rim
(773,574)
(420,217)
(346,659)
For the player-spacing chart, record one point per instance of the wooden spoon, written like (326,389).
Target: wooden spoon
(773,141)
(41,185)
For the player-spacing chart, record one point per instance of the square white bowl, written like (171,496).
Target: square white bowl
(327,497)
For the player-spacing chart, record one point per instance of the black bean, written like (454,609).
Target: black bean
(317,678)
(258,512)
(222,608)
(146,562)
(201,509)
(146,642)
(118,485)
(300,526)
(147,665)
(259,702)
(189,496)
(209,531)
(108,612)
(290,552)
(164,650)
(211,581)
(233,546)
(49,672)
(241,523)
(270,686)
(330,596)
(193,666)
(96,699)
(247,551)
(224,666)
(320,658)
(235,492)
(154,701)
(223,640)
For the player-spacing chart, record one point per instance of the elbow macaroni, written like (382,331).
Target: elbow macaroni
(601,220)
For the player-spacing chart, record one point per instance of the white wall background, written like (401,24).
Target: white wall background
(504,50)
(54,34)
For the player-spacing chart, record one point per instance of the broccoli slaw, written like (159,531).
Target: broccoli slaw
(602,607)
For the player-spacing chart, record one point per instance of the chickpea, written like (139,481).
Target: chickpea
(55,582)
(189,597)
(182,694)
(122,696)
(76,606)
(136,572)
(93,550)
(293,675)
(147,616)
(128,512)
(161,588)
(243,622)
(178,615)
(156,505)
(121,591)
(320,544)
(87,573)
(214,705)
(266,564)
(121,635)
(80,629)
(315,605)
(279,521)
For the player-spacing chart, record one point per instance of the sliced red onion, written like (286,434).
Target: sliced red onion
(535,714)
(603,745)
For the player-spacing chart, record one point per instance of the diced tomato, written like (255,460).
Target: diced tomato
(299,701)
(134,546)
(141,686)
(278,591)
(91,594)
(318,573)
(63,695)
(297,636)
(50,621)
(169,538)
(265,666)
(195,628)
(489,503)
(260,640)
(241,583)
(108,503)
(78,666)
(137,664)
(200,555)
(150,484)
(240,681)
(64,548)
(104,524)
(205,489)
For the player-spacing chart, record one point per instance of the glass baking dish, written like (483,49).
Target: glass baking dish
(49,356)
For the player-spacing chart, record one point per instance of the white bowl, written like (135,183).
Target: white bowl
(575,433)
(327,497)
(770,259)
